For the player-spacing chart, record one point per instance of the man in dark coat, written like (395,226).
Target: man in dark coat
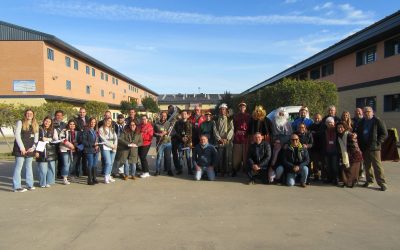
(258,159)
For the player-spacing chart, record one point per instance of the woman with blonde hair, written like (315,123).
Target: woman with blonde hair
(109,148)
(26,137)
(346,120)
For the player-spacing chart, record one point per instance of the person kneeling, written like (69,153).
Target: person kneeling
(205,157)
(258,159)
(296,159)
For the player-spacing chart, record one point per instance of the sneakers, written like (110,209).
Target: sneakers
(383,187)
(145,175)
(20,190)
(66,182)
(111,179)
(31,188)
(47,186)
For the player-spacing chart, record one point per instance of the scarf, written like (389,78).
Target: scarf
(343,149)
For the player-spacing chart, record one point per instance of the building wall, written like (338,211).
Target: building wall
(187,106)
(21,61)
(347,73)
(347,101)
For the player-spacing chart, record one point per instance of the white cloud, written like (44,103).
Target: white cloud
(127,13)
(326,5)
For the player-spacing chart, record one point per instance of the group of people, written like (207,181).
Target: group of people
(276,150)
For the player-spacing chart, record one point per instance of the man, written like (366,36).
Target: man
(119,125)
(281,127)
(358,116)
(371,133)
(258,159)
(207,128)
(81,121)
(241,122)
(223,132)
(205,157)
(132,117)
(182,142)
(302,119)
(164,146)
(107,115)
(59,125)
(331,113)
(196,119)
(316,152)
(296,160)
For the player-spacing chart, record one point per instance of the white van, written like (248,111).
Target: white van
(292,110)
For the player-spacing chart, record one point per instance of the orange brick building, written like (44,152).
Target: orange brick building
(364,66)
(36,67)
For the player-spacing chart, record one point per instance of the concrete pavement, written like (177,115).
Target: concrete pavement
(178,213)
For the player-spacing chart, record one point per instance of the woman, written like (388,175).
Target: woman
(90,143)
(108,148)
(128,144)
(329,145)
(347,122)
(146,129)
(307,141)
(47,158)
(26,135)
(69,151)
(349,154)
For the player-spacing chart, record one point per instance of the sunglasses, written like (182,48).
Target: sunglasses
(294,139)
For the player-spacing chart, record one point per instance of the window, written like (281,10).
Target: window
(76,65)
(113,80)
(102,93)
(124,91)
(366,101)
(102,76)
(303,76)
(116,81)
(327,69)
(392,47)
(107,77)
(315,74)
(87,89)
(392,103)
(68,85)
(50,54)
(113,95)
(93,72)
(67,61)
(366,56)
(87,70)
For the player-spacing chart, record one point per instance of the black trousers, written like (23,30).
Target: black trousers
(175,156)
(143,151)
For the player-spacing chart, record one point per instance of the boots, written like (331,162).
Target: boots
(94,175)
(90,178)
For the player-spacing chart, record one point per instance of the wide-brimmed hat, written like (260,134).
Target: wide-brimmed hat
(223,105)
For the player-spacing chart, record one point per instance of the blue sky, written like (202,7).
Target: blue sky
(180,46)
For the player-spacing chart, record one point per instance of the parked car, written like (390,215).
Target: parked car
(292,110)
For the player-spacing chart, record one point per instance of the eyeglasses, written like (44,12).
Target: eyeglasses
(294,139)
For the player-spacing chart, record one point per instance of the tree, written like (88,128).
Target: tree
(95,109)
(51,107)
(228,100)
(150,105)
(126,106)
(316,95)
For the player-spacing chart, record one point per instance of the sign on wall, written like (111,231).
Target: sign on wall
(24,85)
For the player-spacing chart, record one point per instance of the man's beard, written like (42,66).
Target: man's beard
(280,121)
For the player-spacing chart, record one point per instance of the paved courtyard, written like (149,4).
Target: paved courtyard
(178,213)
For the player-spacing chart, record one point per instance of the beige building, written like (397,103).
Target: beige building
(364,66)
(36,67)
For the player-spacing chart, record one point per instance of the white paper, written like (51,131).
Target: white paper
(41,146)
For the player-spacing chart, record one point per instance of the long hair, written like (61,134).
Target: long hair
(90,121)
(26,123)
(104,125)
(51,124)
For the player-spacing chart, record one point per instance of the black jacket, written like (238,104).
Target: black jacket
(79,123)
(259,154)
(376,135)
(50,154)
(291,159)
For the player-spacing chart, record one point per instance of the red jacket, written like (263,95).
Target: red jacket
(196,123)
(241,128)
(147,133)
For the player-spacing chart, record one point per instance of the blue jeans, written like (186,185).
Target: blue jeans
(164,152)
(70,165)
(291,177)
(210,173)
(91,160)
(46,172)
(188,158)
(108,156)
(129,168)
(19,163)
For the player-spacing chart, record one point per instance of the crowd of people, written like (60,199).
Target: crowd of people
(334,150)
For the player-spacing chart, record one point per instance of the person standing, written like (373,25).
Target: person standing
(109,147)
(207,128)
(81,123)
(26,136)
(182,143)
(196,119)
(59,125)
(164,146)
(303,112)
(316,152)
(132,117)
(46,159)
(259,122)
(358,116)
(349,154)
(69,151)
(241,122)
(146,129)
(90,140)
(372,133)
(224,134)
(347,121)
(205,158)
(329,145)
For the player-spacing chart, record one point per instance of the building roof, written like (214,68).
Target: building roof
(12,32)
(387,27)
(189,98)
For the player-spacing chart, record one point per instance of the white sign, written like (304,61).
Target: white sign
(24,85)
